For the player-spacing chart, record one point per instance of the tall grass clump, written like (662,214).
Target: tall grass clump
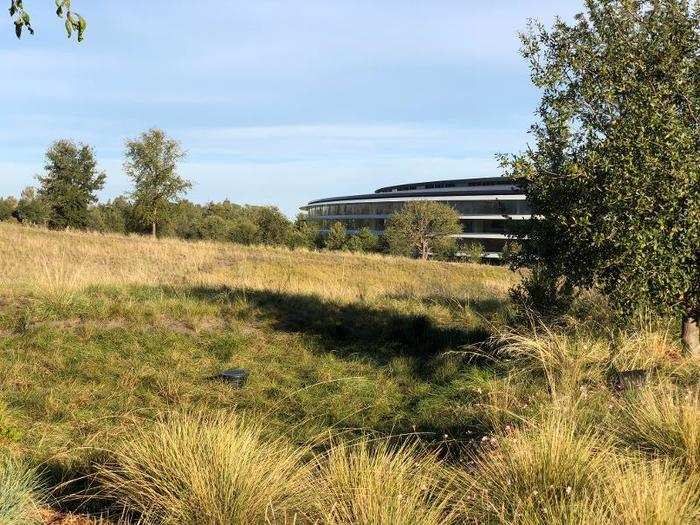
(19,494)
(564,360)
(664,421)
(651,492)
(545,474)
(373,483)
(192,470)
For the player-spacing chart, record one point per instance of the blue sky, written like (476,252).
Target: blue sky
(277,102)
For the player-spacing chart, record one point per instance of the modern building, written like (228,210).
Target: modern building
(484,205)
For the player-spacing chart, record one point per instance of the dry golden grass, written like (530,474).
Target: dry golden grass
(371,483)
(197,470)
(128,329)
(58,261)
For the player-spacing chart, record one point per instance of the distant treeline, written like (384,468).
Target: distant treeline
(66,198)
(216,221)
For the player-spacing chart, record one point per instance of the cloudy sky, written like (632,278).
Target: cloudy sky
(277,102)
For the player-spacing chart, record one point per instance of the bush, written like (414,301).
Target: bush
(337,237)
(7,208)
(543,293)
(190,470)
(474,251)
(19,494)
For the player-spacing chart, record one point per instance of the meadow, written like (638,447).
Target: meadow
(381,391)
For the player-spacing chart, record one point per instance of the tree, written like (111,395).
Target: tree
(31,208)
(70,184)
(273,226)
(7,208)
(421,228)
(364,241)
(337,237)
(151,162)
(304,234)
(73,21)
(614,176)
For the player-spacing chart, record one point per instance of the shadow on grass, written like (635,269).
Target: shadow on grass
(350,330)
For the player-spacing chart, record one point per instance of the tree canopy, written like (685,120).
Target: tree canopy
(422,228)
(151,162)
(70,184)
(74,22)
(613,178)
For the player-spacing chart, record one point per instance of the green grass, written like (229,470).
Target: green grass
(381,390)
(20,495)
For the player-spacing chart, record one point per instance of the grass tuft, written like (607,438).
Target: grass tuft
(19,494)
(195,470)
(545,474)
(663,421)
(373,483)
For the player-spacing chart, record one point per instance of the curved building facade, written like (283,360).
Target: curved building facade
(484,205)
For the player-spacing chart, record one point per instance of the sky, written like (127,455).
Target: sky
(276,102)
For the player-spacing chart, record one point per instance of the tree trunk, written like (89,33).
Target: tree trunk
(690,333)
(425,250)
(153,230)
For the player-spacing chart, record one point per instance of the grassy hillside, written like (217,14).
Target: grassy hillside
(381,390)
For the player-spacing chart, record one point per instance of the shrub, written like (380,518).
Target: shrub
(337,236)
(374,484)
(474,251)
(191,470)
(19,494)
(542,292)
(7,208)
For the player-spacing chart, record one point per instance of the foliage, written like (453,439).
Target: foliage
(73,21)
(304,234)
(367,240)
(273,227)
(31,208)
(613,180)
(337,237)
(151,162)
(8,206)
(421,228)
(474,251)
(70,184)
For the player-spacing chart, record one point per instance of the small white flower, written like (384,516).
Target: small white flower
(568,490)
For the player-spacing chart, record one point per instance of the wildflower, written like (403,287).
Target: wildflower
(568,490)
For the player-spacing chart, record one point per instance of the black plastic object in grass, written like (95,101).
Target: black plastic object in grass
(236,377)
